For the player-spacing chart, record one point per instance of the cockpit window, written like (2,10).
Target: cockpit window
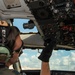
(63,60)
(60,59)
(29,60)
(25,25)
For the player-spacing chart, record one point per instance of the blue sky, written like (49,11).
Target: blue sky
(60,60)
(19,24)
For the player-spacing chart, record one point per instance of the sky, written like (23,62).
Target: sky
(60,60)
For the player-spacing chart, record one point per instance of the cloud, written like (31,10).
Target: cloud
(55,62)
(30,62)
(73,56)
(60,60)
(73,53)
(24,54)
(65,60)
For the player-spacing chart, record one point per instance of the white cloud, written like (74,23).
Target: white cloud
(30,61)
(55,62)
(33,57)
(59,60)
(73,56)
(66,60)
(73,59)
(29,68)
(55,53)
(24,54)
(26,60)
